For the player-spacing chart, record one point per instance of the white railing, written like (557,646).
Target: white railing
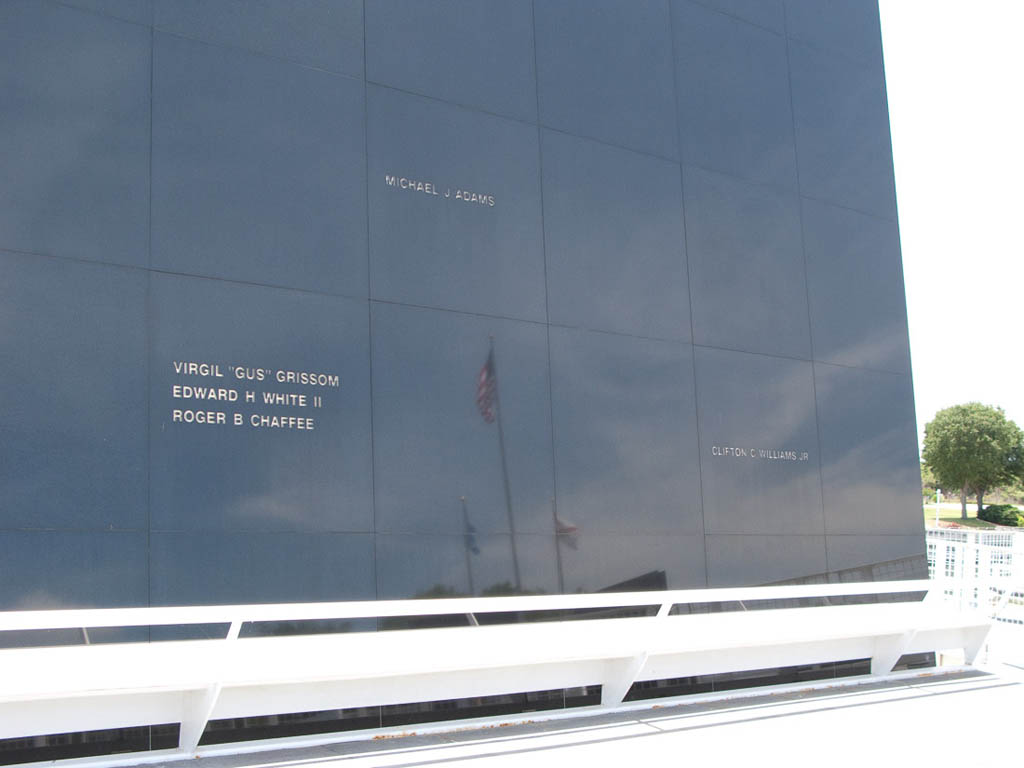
(981,570)
(90,687)
(1001,600)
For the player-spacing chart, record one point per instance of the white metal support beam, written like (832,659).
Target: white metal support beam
(198,705)
(621,674)
(888,651)
(197,708)
(974,643)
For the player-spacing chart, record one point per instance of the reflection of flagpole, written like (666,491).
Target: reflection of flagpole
(504,469)
(558,546)
(469,540)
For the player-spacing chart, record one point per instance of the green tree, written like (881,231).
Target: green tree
(929,483)
(974,448)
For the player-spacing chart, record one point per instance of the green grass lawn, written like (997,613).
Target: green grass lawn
(950,514)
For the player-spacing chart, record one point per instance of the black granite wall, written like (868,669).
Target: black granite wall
(254,257)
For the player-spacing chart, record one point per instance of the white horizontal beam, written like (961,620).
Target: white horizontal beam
(223,614)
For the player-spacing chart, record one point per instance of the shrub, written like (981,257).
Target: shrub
(1001,514)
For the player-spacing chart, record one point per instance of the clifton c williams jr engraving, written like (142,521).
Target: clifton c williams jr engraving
(765,454)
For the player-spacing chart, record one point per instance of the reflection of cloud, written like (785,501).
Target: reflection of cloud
(87,170)
(603,203)
(604,560)
(787,408)
(887,351)
(625,452)
(870,467)
(277,505)
(628,471)
(754,401)
(875,473)
(74,393)
(41,600)
(411,565)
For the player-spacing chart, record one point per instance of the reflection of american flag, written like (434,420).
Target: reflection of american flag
(485,387)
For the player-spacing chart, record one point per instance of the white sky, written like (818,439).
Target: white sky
(955,77)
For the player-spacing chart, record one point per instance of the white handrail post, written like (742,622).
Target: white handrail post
(974,644)
(623,672)
(199,705)
(888,651)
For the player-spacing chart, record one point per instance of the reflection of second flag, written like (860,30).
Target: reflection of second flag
(567,532)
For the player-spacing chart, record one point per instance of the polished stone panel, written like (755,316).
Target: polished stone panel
(748,288)
(842,131)
(627,563)
(850,551)
(326,34)
(75,131)
(432,446)
(613,233)
(478,53)
(764,13)
(73,569)
(742,561)
(242,477)
(604,71)
(73,421)
(849,27)
(752,410)
(855,287)
(430,246)
(258,169)
(674,220)
(139,11)
(732,81)
(430,565)
(625,434)
(243,567)
(871,477)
